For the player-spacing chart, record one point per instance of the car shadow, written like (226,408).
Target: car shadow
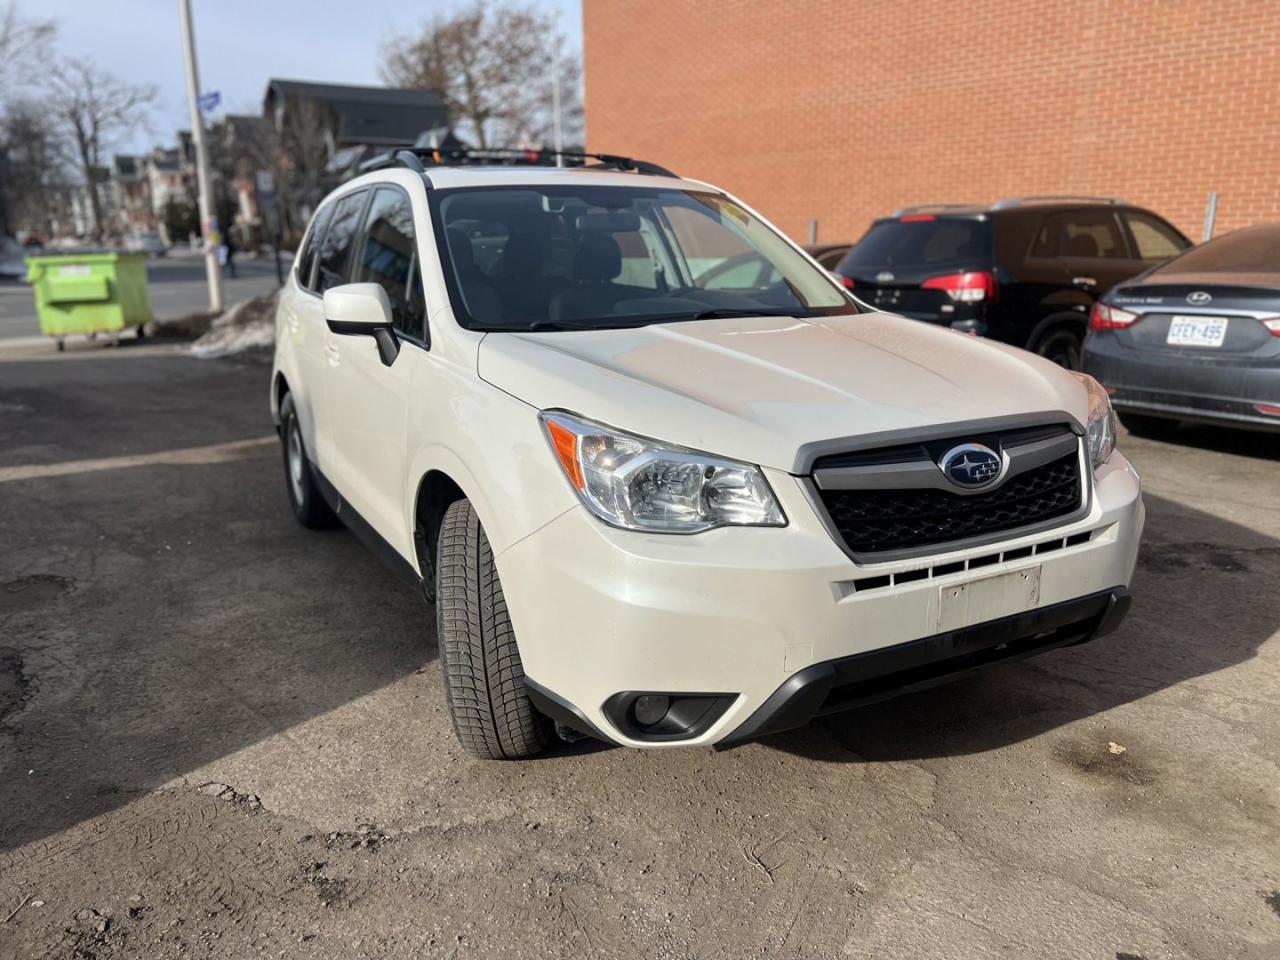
(1258,444)
(159,615)
(1203,602)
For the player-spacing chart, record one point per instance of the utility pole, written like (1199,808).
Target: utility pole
(208,217)
(555,91)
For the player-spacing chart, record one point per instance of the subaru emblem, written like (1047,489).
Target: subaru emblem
(1199,298)
(972,465)
(884,276)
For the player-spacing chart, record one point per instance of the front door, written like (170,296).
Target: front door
(368,400)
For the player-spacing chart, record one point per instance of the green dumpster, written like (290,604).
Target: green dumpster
(89,293)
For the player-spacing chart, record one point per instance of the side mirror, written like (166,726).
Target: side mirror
(356,309)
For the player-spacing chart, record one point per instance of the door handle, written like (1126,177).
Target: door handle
(1084,281)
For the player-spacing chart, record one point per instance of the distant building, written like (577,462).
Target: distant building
(131,196)
(356,116)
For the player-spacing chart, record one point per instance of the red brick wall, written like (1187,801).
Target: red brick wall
(845,109)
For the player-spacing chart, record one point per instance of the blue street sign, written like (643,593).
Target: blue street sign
(208,102)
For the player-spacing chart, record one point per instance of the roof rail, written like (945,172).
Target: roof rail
(419,158)
(1009,202)
(926,207)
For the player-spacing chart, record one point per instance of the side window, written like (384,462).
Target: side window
(307,262)
(1155,239)
(335,249)
(1086,234)
(387,257)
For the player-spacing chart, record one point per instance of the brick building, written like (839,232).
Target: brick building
(845,109)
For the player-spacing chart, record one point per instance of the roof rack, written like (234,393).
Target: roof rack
(927,207)
(418,159)
(1008,202)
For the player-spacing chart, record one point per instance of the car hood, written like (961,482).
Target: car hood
(761,389)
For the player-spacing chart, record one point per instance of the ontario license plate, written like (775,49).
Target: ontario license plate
(1197,331)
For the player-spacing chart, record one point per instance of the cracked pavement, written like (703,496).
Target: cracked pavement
(222,735)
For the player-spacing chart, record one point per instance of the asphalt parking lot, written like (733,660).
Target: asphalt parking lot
(222,735)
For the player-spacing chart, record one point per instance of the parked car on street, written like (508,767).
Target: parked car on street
(664,512)
(1024,271)
(148,243)
(1195,339)
(13,266)
(828,255)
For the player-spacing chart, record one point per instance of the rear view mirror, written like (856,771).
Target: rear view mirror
(623,221)
(354,309)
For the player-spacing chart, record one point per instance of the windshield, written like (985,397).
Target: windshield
(923,242)
(584,257)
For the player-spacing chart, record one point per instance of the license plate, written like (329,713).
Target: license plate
(1197,331)
(964,604)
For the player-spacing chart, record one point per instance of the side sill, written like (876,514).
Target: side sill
(365,532)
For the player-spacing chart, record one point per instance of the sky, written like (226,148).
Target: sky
(240,44)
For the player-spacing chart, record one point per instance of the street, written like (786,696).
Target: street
(224,735)
(176,283)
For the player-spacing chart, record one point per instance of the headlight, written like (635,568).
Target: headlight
(641,484)
(1102,421)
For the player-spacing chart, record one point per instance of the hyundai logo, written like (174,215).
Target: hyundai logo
(972,465)
(1199,298)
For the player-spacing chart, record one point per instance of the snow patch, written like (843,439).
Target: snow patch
(245,325)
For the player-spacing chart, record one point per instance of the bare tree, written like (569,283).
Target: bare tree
(33,168)
(23,42)
(492,64)
(92,107)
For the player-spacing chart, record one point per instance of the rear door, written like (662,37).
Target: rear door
(369,399)
(1089,247)
(303,326)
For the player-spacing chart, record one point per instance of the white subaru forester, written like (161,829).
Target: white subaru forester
(665,482)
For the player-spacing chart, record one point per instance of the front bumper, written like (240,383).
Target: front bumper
(743,612)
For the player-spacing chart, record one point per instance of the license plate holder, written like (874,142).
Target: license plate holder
(977,601)
(1197,331)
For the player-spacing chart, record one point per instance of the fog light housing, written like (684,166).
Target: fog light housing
(653,716)
(651,708)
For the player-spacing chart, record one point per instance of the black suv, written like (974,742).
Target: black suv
(1025,270)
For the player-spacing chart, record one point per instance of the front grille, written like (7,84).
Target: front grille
(879,521)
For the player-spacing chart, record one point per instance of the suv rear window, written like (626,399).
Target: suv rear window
(940,243)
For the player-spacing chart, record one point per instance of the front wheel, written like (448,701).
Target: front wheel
(492,715)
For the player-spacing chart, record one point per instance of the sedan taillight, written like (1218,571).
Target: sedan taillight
(1104,317)
(969,287)
(1272,324)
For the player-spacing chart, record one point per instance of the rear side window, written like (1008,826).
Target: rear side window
(926,243)
(335,249)
(388,257)
(1086,234)
(1155,239)
(307,262)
